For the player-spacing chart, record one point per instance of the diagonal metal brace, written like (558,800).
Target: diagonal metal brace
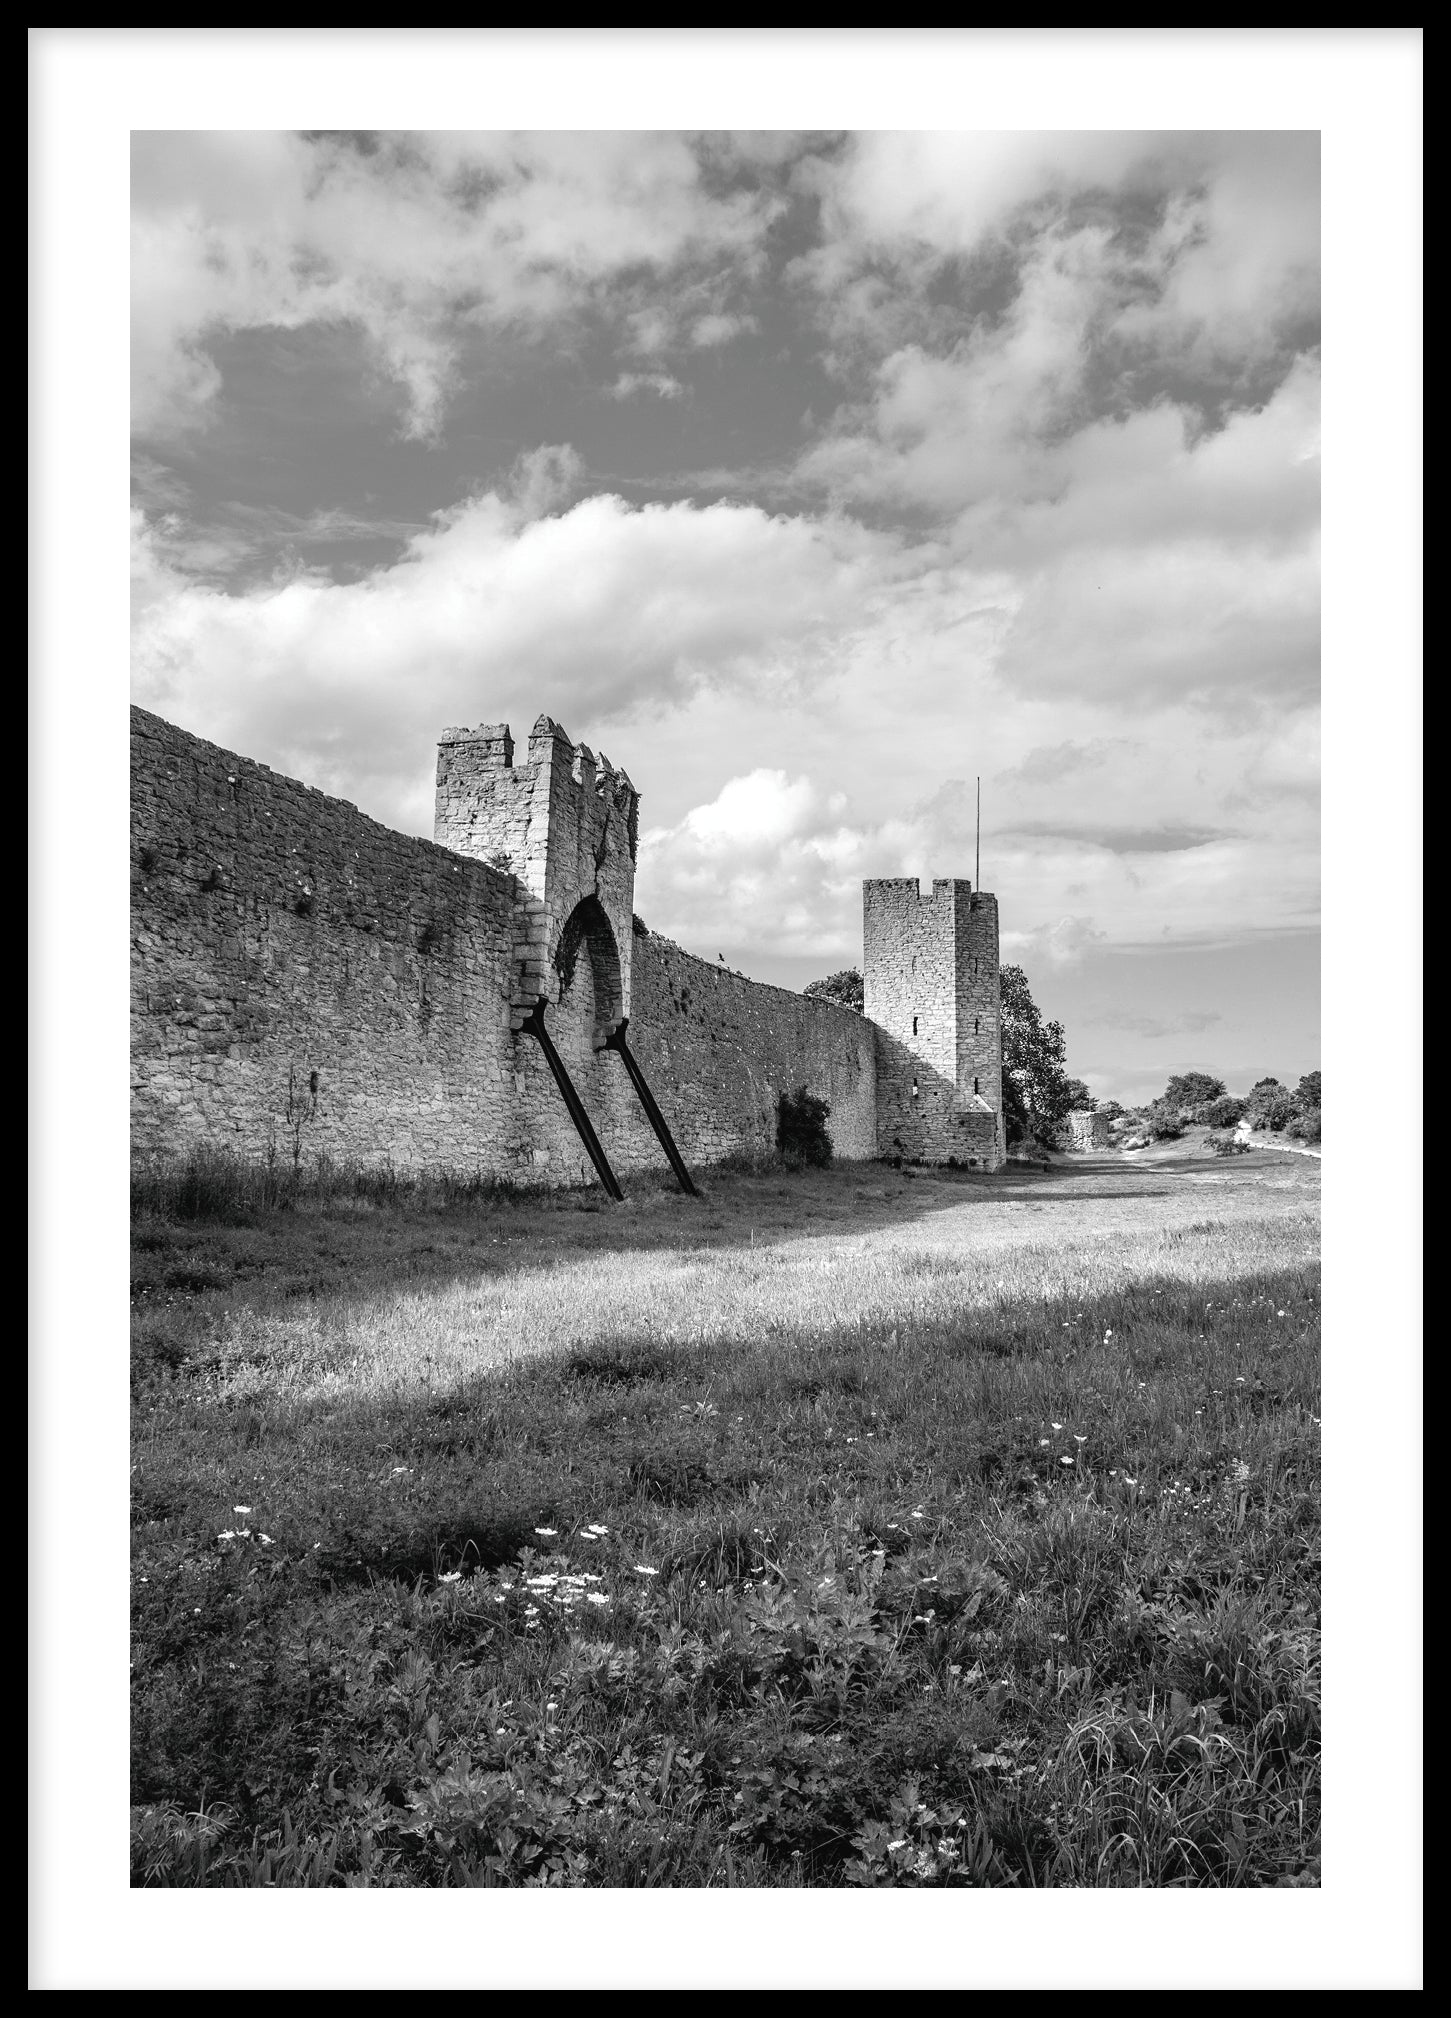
(534,1024)
(616,1042)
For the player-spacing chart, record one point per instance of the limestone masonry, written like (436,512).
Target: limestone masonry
(306,982)
(1083,1129)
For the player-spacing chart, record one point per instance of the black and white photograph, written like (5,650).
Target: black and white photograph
(722,883)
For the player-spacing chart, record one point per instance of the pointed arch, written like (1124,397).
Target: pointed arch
(588,932)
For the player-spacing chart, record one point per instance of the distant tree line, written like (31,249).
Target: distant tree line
(1197,1100)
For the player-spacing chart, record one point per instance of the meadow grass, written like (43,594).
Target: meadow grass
(857,1526)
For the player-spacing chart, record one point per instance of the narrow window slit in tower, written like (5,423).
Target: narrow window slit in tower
(914,1026)
(975,1087)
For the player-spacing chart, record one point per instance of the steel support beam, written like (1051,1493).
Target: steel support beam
(616,1042)
(534,1024)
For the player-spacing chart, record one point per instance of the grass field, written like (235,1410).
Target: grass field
(863,1527)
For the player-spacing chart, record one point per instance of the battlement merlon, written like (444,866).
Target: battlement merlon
(550,743)
(492,738)
(948,889)
(493,742)
(480,787)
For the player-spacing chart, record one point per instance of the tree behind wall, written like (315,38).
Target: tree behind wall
(845,989)
(1037,1092)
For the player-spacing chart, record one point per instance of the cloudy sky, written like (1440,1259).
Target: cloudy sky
(811,477)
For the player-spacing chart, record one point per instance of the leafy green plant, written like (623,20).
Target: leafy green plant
(801,1133)
(1270,1105)
(846,989)
(919,1846)
(1041,1092)
(1164,1121)
(1190,1091)
(1222,1112)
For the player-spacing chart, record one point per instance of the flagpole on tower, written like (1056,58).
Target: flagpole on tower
(977,863)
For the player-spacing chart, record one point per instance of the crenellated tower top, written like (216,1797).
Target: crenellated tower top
(565,822)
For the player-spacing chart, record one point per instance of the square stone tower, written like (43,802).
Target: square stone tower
(931,977)
(566,824)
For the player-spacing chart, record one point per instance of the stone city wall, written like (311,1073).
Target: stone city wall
(306,981)
(717,1049)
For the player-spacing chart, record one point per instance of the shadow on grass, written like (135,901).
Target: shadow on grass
(961,1557)
(322,1247)
(710,1434)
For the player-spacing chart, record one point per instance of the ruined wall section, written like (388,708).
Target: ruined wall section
(1084,1129)
(304,978)
(717,1050)
(930,980)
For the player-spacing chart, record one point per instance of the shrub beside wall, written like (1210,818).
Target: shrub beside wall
(801,1133)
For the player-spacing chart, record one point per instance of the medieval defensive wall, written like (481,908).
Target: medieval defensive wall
(307,982)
